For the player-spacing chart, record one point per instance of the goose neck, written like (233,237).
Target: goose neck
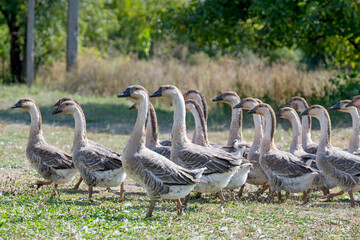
(36,123)
(178,133)
(354,141)
(325,136)
(258,128)
(201,137)
(80,138)
(236,123)
(152,139)
(296,139)
(267,142)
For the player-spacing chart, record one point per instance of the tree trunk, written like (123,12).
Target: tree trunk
(30,43)
(72,33)
(15,52)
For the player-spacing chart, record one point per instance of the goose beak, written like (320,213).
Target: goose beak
(252,111)
(278,114)
(56,105)
(17,105)
(218,98)
(125,93)
(158,93)
(239,105)
(304,113)
(56,111)
(350,104)
(335,107)
(132,107)
(287,103)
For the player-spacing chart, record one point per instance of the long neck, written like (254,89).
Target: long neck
(267,142)
(236,123)
(137,137)
(306,127)
(178,133)
(259,132)
(296,139)
(35,127)
(354,141)
(151,128)
(325,136)
(201,128)
(80,138)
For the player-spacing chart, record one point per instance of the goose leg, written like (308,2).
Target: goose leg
(305,198)
(77,185)
(55,190)
(308,191)
(261,190)
(198,195)
(222,199)
(151,209)
(279,196)
(179,207)
(271,195)
(241,191)
(325,190)
(186,199)
(352,203)
(122,192)
(330,196)
(41,183)
(232,194)
(90,194)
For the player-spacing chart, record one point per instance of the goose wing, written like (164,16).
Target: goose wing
(53,156)
(287,165)
(345,162)
(97,160)
(215,160)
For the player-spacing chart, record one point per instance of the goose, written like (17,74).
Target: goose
(283,169)
(233,99)
(256,176)
(340,166)
(220,165)
(152,140)
(354,140)
(51,163)
(161,178)
(200,99)
(97,164)
(321,181)
(300,105)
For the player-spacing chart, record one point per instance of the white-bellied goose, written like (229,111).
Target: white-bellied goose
(256,175)
(340,166)
(161,178)
(300,105)
(51,163)
(220,165)
(354,112)
(283,169)
(97,164)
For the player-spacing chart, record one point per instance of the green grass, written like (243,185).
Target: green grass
(29,213)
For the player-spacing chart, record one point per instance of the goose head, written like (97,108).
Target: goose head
(228,97)
(192,105)
(297,103)
(64,99)
(192,94)
(342,106)
(135,92)
(355,102)
(286,112)
(261,109)
(67,107)
(24,103)
(166,91)
(248,103)
(316,111)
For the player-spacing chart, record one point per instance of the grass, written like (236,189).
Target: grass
(29,213)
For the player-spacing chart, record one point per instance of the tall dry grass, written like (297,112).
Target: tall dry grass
(248,77)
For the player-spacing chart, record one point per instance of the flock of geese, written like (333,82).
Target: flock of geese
(171,169)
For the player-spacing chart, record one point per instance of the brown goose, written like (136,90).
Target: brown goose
(52,163)
(233,99)
(98,165)
(300,105)
(283,169)
(220,165)
(354,141)
(161,178)
(341,167)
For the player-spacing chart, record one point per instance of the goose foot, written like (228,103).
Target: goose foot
(151,209)
(330,196)
(55,190)
(260,191)
(90,194)
(240,193)
(179,207)
(222,199)
(77,185)
(122,192)
(39,184)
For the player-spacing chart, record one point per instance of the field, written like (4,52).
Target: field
(29,213)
